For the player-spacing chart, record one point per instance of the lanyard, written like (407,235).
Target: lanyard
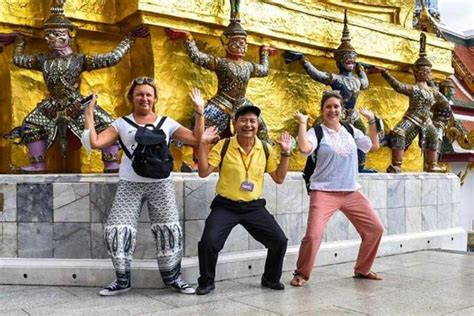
(247,167)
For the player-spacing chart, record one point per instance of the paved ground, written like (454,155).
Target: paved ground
(420,283)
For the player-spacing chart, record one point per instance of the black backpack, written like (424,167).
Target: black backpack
(313,158)
(151,158)
(226,146)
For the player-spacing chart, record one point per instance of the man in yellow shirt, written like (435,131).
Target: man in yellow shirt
(242,165)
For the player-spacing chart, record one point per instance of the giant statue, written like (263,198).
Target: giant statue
(424,100)
(62,110)
(346,82)
(233,72)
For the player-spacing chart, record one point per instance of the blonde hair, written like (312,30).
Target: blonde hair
(140,81)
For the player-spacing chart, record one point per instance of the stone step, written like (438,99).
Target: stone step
(99,272)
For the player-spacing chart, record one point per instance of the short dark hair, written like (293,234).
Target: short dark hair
(331,94)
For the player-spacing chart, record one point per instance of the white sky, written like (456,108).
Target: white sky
(457,15)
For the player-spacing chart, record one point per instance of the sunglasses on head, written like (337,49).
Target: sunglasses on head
(143,80)
(332,93)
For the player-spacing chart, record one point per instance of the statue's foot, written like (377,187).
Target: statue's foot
(434,167)
(33,169)
(111,167)
(394,169)
(366,170)
(189,168)
(111,170)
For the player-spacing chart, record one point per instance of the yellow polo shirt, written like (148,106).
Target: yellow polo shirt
(233,169)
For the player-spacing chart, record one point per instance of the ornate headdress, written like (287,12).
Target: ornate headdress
(422,61)
(345,40)
(57,19)
(234,27)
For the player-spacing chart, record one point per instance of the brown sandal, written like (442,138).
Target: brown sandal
(297,281)
(369,276)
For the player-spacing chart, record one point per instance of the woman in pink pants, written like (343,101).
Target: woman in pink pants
(334,186)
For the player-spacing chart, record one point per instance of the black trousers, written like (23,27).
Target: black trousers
(254,217)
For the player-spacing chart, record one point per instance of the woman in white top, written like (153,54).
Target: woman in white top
(134,190)
(334,186)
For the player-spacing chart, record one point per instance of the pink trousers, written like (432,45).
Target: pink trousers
(358,209)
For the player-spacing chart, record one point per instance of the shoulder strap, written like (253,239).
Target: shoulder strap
(267,154)
(348,127)
(129,121)
(318,130)
(160,123)
(124,148)
(223,151)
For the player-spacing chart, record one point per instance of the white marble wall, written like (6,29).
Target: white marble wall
(63,216)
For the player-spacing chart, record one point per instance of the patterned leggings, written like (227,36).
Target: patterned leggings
(121,230)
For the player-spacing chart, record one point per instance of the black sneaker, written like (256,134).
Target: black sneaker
(115,288)
(272,285)
(182,286)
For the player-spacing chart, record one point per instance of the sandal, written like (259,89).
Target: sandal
(369,276)
(297,281)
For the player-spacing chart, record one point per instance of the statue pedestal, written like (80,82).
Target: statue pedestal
(51,226)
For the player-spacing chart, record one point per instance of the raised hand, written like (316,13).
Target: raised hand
(198,100)
(271,51)
(300,117)
(89,109)
(174,34)
(210,135)
(368,114)
(7,39)
(285,142)
(291,56)
(140,32)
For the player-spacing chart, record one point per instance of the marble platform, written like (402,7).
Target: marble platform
(51,221)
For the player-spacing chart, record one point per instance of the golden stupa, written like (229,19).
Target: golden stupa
(381,32)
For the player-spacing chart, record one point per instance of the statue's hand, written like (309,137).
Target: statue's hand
(376,70)
(198,101)
(7,39)
(140,32)
(285,142)
(174,34)
(291,56)
(271,51)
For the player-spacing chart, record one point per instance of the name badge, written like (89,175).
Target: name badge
(247,186)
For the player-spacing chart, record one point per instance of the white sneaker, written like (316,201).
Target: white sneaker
(182,286)
(115,288)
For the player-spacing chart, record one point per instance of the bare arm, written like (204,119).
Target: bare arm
(304,145)
(261,69)
(402,88)
(364,81)
(98,140)
(441,100)
(208,137)
(110,59)
(372,128)
(193,137)
(20,59)
(285,144)
(316,74)
(202,59)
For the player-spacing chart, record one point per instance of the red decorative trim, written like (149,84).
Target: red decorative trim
(462,110)
(455,157)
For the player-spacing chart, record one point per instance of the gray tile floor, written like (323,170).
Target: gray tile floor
(419,283)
